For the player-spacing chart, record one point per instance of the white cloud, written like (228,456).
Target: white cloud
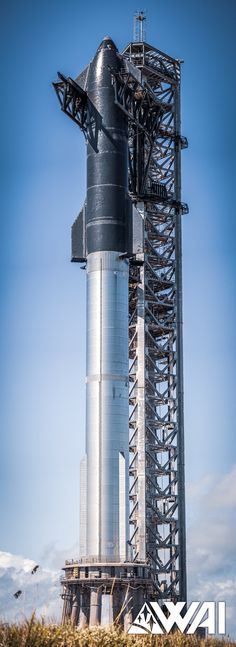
(199,488)
(40,591)
(211,552)
(7,560)
(224,493)
(54,558)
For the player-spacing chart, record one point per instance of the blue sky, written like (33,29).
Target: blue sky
(42,296)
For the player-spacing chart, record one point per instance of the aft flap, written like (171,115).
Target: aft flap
(78,238)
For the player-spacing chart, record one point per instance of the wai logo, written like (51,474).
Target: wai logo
(152,620)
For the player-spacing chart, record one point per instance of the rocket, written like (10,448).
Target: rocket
(102,236)
(127,106)
(106,226)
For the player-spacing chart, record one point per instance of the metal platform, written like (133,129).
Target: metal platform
(100,594)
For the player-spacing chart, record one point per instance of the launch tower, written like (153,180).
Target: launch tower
(128,233)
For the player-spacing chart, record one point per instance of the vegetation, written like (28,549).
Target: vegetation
(35,633)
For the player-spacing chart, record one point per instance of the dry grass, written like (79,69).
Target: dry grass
(35,633)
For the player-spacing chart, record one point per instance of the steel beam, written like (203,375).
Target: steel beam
(156,344)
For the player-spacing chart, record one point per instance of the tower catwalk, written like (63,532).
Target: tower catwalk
(128,233)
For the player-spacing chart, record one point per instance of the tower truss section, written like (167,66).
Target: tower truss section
(157,493)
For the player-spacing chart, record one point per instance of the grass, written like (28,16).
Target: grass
(36,633)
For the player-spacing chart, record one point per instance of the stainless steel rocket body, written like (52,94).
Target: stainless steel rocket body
(107,399)
(107,405)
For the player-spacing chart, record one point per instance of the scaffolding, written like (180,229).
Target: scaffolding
(157,491)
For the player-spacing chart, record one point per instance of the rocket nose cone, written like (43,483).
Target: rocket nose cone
(107,43)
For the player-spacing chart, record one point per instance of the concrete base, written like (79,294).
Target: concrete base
(101,594)
(95,607)
(107,617)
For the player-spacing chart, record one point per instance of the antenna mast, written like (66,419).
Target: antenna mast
(139,34)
